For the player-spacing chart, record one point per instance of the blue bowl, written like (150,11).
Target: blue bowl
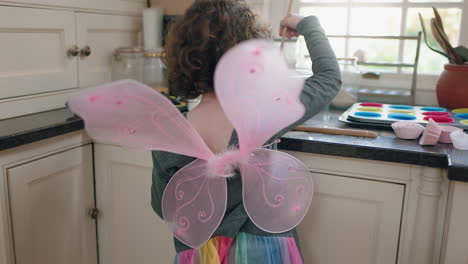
(368,114)
(400,116)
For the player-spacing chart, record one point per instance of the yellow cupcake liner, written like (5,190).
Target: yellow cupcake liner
(369,109)
(403,111)
(460,111)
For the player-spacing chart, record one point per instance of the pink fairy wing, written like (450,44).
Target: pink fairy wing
(257,92)
(194,203)
(133,115)
(277,190)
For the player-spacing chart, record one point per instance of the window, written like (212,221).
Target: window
(384,18)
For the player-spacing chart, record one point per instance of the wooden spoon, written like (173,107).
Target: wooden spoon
(438,19)
(445,43)
(427,42)
(439,40)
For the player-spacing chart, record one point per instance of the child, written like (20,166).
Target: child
(195,44)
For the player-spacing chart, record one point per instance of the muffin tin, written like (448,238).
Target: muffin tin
(386,114)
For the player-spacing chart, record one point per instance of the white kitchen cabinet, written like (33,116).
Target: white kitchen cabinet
(58,3)
(37,71)
(49,202)
(456,231)
(367,211)
(128,6)
(352,219)
(34,51)
(129,229)
(364,211)
(46,191)
(103,34)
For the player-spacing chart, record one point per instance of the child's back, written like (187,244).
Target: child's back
(194,46)
(211,123)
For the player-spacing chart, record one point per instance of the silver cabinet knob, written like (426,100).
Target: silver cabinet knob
(73,51)
(85,52)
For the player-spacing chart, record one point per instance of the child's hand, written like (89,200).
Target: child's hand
(288,26)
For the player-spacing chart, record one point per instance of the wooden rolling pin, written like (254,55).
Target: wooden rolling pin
(338,131)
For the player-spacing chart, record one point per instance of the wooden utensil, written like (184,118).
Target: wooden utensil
(283,37)
(439,40)
(338,131)
(442,38)
(438,19)
(427,42)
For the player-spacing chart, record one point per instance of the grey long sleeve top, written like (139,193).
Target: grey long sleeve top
(318,91)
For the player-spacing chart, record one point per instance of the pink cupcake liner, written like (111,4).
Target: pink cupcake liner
(431,134)
(407,129)
(460,140)
(445,135)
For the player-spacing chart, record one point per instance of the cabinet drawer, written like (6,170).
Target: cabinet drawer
(34,51)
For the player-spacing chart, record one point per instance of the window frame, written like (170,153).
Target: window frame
(426,82)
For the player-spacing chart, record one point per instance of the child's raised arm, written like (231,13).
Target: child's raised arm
(325,83)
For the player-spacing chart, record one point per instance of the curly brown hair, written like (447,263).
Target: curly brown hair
(198,39)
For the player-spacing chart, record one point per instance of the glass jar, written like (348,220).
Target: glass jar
(128,64)
(289,52)
(153,71)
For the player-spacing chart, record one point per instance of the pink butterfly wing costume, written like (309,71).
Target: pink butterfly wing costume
(277,188)
(132,115)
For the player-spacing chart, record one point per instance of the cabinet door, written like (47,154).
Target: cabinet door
(64,3)
(352,220)
(34,44)
(128,6)
(49,202)
(129,229)
(456,233)
(103,34)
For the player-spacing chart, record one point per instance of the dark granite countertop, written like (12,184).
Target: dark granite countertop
(30,128)
(27,129)
(384,148)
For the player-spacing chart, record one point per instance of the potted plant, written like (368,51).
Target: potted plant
(452,86)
